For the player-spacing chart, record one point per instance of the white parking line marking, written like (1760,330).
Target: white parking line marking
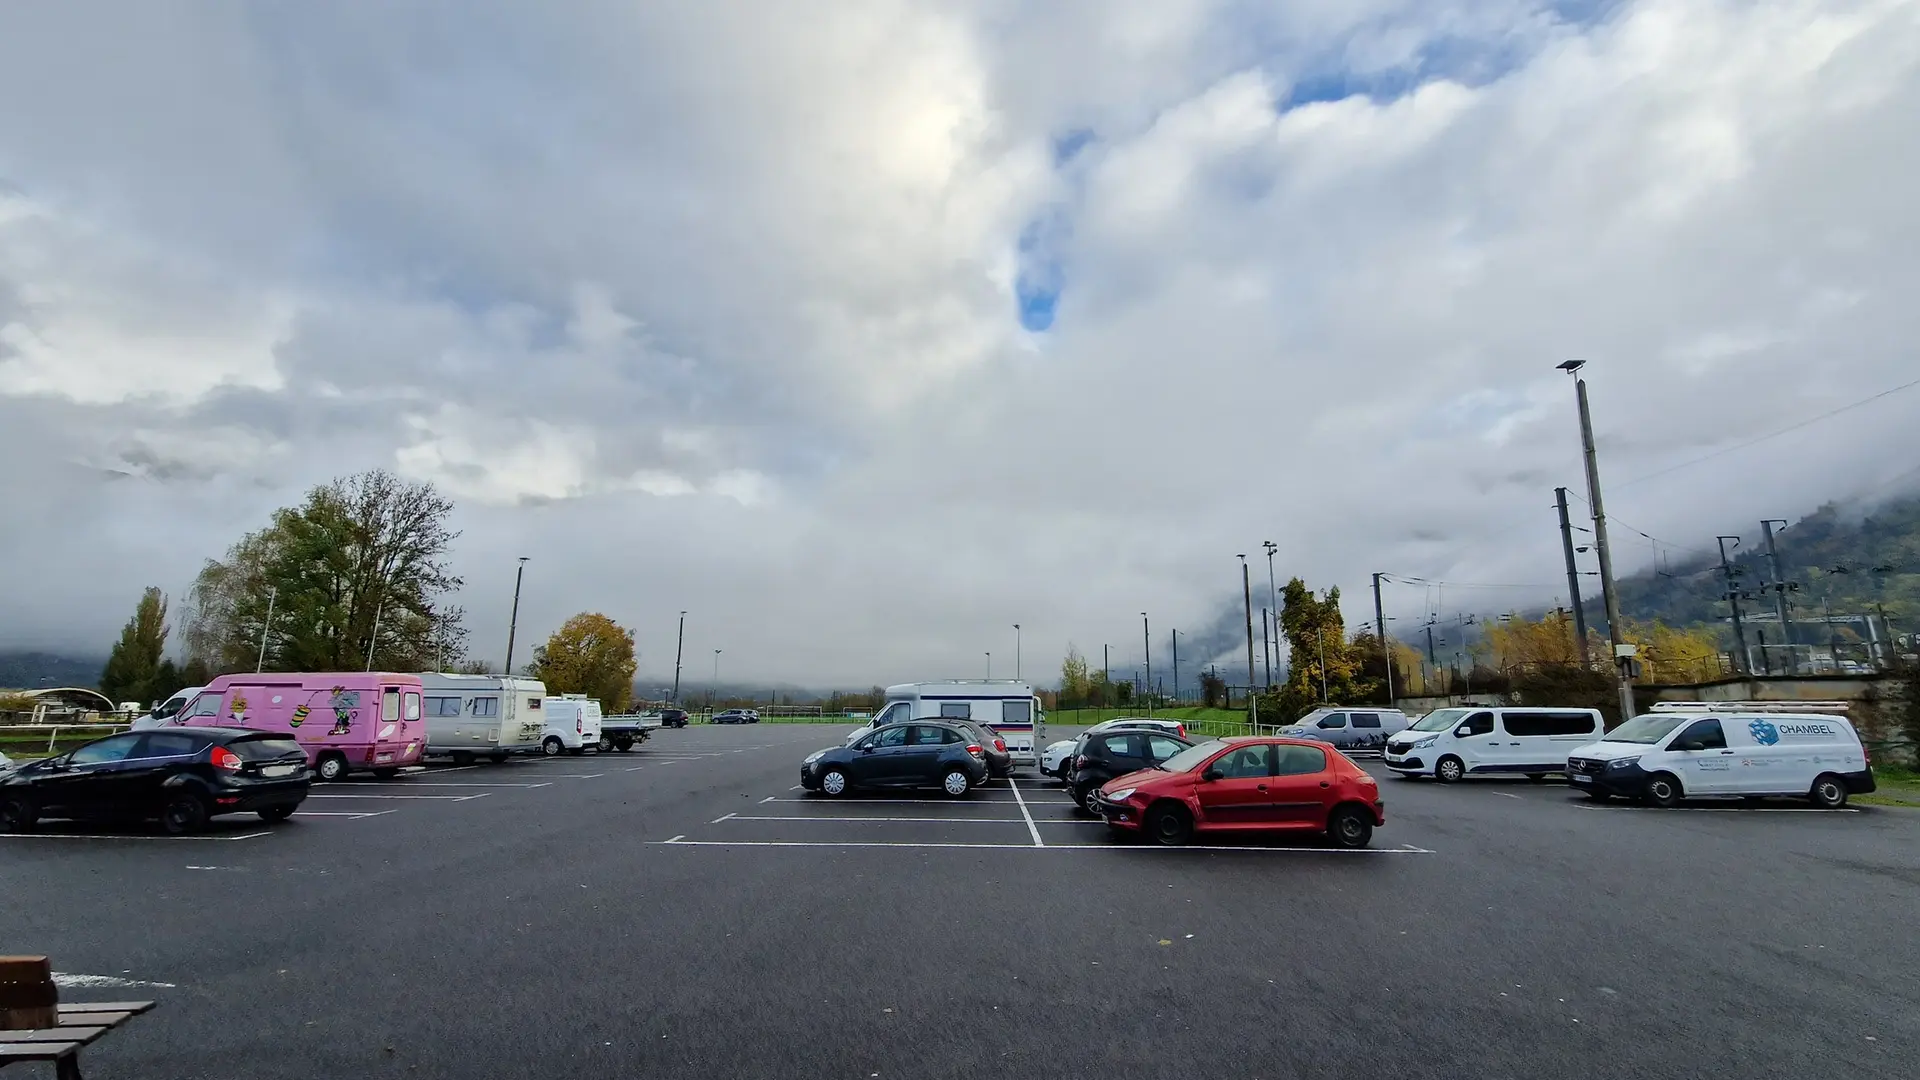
(1506,795)
(718,820)
(412,798)
(862,801)
(122,836)
(590,776)
(681,841)
(929,820)
(424,783)
(354,814)
(470,798)
(104,982)
(766,800)
(636,768)
(1037,842)
(1730,809)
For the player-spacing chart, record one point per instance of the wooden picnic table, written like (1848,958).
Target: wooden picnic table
(81,1022)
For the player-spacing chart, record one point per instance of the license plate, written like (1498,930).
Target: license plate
(278,770)
(1580,778)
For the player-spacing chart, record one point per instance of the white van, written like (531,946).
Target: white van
(572,723)
(168,709)
(473,715)
(1743,748)
(1003,707)
(1364,728)
(1448,744)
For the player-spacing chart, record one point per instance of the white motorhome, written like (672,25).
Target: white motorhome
(1005,707)
(471,716)
(1450,744)
(1751,749)
(572,724)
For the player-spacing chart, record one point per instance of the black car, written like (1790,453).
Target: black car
(736,716)
(180,775)
(999,761)
(673,718)
(921,754)
(1107,754)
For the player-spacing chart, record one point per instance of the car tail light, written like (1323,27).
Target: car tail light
(975,750)
(1183,731)
(1081,762)
(223,758)
(1000,745)
(579,727)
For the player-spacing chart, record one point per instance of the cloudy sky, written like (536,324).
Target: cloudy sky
(865,330)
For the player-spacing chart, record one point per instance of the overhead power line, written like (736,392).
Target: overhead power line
(1723,451)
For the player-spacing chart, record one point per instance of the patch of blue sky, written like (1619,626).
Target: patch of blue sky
(1042,276)
(1068,146)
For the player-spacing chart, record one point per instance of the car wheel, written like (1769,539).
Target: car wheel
(184,813)
(623,744)
(1449,770)
(497,759)
(330,767)
(276,813)
(1663,790)
(1828,793)
(606,745)
(1169,825)
(17,815)
(1350,828)
(956,783)
(834,782)
(552,746)
(1083,797)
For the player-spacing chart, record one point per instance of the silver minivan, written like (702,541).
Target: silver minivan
(1349,728)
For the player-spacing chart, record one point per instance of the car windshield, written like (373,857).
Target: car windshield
(1441,719)
(1189,759)
(1647,729)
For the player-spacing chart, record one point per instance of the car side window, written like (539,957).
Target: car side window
(1119,745)
(893,736)
(205,705)
(1333,720)
(113,748)
(390,705)
(170,744)
(1160,748)
(412,707)
(894,714)
(927,735)
(1703,735)
(1298,760)
(1245,763)
(1366,720)
(1480,723)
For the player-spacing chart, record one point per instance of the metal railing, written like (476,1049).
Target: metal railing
(25,735)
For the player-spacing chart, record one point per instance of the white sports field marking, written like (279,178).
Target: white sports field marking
(681,841)
(718,820)
(1037,842)
(123,836)
(1730,809)
(105,982)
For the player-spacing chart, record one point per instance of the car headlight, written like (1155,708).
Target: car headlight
(813,757)
(1426,742)
(1119,796)
(1622,763)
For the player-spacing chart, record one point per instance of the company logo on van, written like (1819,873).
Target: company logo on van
(1806,729)
(1764,732)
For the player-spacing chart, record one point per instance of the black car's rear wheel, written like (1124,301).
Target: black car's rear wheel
(183,813)
(276,813)
(1083,797)
(956,783)
(17,815)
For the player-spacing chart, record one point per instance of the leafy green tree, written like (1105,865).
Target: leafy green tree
(361,564)
(1076,688)
(590,654)
(133,668)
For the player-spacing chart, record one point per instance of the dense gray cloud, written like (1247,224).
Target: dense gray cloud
(866,330)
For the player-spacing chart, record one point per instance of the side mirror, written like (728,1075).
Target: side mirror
(58,764)
(1213,774)
(867,749)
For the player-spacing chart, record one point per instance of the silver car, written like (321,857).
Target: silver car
(1349,729)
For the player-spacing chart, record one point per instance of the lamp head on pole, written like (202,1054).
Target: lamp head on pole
(1572,366)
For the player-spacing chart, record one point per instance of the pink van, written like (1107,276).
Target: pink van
(344,720)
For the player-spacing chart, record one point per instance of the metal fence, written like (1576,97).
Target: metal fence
(39,739)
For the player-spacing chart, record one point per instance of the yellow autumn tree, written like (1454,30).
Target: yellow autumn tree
(592,655)
(1515,643)
(1675,654)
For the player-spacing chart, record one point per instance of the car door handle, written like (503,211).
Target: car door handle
(1263,787)
(1726,751)
(1325,783)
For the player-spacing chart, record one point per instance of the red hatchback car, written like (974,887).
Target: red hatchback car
(1246,785)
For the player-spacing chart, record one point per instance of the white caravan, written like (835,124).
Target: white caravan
(1004,707)
(469,716)
(1806,749)
(572,724)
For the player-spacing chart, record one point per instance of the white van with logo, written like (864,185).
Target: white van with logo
(1749,749)
(1450,744)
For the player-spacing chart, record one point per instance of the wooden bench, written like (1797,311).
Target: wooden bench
(81,1023)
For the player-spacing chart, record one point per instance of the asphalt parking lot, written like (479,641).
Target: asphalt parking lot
(682,911)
